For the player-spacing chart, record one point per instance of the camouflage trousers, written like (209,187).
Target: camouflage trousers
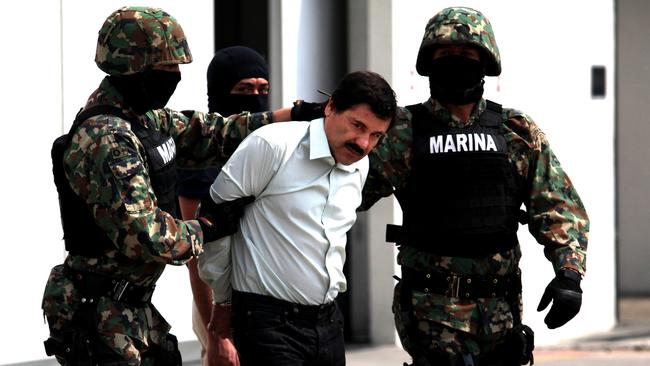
(79,348)
(113,332)
(422,336)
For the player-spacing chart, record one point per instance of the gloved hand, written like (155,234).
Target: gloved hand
(219,220)
(566,294)
(307,111)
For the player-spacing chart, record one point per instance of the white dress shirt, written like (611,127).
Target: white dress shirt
(291,242)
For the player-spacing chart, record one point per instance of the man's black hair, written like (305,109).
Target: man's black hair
(365,87)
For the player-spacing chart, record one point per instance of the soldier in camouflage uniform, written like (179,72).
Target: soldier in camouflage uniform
(460,167)
(117,197)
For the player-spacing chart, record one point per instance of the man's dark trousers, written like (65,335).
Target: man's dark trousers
(269,331)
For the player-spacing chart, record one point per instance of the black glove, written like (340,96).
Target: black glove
(306,111)
(566,294)
(219,220)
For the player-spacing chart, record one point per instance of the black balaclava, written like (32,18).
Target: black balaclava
(456,80)
(227,68)
(147,90)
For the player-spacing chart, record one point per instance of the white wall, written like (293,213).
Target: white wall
(307,50)
(45,81)
(31,101)
(633,88)
(547,51)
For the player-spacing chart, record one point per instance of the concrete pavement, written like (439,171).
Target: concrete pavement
(395,356)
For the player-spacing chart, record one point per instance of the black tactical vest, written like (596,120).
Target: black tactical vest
(463,195)
(81,234)
(161,160)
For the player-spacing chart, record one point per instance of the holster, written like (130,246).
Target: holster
(515,351)
(522,344)
(80,348)
(74,348)
(166,353)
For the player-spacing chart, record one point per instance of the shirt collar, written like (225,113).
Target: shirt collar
(319,148)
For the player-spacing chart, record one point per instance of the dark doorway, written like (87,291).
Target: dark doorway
(242,23)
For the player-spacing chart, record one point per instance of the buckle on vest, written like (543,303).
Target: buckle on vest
(124,290)
(454,286)
(147,295)
(119,288)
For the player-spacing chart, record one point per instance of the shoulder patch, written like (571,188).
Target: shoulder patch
(124,163)
(119,152)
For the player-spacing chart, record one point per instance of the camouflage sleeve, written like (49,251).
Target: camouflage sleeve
(557,217)
(107,169)
(376,186)
(206,139)
(239,126)
(390,161)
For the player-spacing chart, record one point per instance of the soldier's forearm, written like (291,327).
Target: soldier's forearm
(282,115)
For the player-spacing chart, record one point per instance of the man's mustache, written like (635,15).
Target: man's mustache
(355,148)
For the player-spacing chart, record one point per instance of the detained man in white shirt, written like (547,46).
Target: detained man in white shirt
(284,268)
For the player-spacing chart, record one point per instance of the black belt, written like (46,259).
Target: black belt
(247,300)
(93,285)
(462,286)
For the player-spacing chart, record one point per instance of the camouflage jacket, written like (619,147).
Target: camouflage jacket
(557,217)
(106,165)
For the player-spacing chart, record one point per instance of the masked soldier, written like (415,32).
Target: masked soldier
(460,167)
(116,173)
(237,80)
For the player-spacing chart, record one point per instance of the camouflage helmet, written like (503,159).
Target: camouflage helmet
(458,26)
(133,39)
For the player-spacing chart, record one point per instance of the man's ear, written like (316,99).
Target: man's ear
(329,107)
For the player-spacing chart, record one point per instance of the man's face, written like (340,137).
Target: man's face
(251,86)
(353,133)
(457,50)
